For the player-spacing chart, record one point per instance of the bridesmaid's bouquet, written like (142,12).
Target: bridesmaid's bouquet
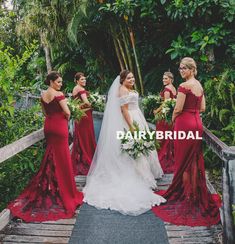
(165,111)
(75,108)
(149,103)
(97,101)
(135,146)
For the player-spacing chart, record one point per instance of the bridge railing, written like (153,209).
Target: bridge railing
(226,154)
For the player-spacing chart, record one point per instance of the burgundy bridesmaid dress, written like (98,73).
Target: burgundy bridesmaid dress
(188,200)
(51,194)
(166,150)
(84,143)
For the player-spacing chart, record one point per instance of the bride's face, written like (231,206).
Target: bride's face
(129,81)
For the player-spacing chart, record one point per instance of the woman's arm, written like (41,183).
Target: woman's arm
(64,106)
(43,109)
(167,95)
(124,109)
(85,100)
(179,105)
(203,105)
(127,117)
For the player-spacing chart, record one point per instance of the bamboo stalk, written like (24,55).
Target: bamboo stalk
(120,48)
(125,41)
(123,53)
(118,54)
(136,61)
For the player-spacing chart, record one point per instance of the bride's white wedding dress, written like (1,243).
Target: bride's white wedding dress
(115,181)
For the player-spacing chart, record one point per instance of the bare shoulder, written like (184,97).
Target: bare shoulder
(200,84)
(59,93)
(123,91)
(46,94)
(77,89)
(43,93)
(185,84)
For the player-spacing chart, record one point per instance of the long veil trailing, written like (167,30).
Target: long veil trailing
(112,181)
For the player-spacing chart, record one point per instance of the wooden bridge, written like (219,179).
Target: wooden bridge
(15,231)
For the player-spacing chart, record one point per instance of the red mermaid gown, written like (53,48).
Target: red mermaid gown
(188,200)
(52,193)
(166,150)
(84,143)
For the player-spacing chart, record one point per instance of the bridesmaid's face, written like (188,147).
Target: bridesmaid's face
(185,72)
(57,84)
(129,81)
(82,81)
(166,80)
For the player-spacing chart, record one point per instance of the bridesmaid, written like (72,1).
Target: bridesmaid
(165,153)
(84,143)
(188,199)
(52,193)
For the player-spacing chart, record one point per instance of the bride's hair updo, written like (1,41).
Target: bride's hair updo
(52,76)
(123,74)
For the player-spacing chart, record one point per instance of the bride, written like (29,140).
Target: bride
(116,181)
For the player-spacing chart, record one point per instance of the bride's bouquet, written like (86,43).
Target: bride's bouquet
(135,146)
(97,101)
(75,108)
(165,111)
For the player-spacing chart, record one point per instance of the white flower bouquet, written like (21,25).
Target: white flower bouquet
(134,146)
(75,108)
(97,101)
(165,111)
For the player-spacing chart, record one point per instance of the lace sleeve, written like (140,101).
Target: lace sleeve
(124,100)
(183,90)
(59,98)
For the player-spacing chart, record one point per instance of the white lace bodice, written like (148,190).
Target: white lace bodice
(132,99)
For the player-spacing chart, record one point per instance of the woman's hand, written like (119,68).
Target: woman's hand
(132,128)
(157,110)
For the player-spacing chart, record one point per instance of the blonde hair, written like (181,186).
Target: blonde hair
(169,75)
(190,63)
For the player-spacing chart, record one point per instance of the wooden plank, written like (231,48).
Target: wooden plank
(34,239)
(41,226)
(184,227)
(189,241)
(21,144)
(5,217)
(10,242)
(62,221)
(33,232)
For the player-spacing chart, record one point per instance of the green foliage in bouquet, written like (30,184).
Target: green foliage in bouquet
(149,103)
(135,147)
(97,101)
(75,108)
(165,110)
